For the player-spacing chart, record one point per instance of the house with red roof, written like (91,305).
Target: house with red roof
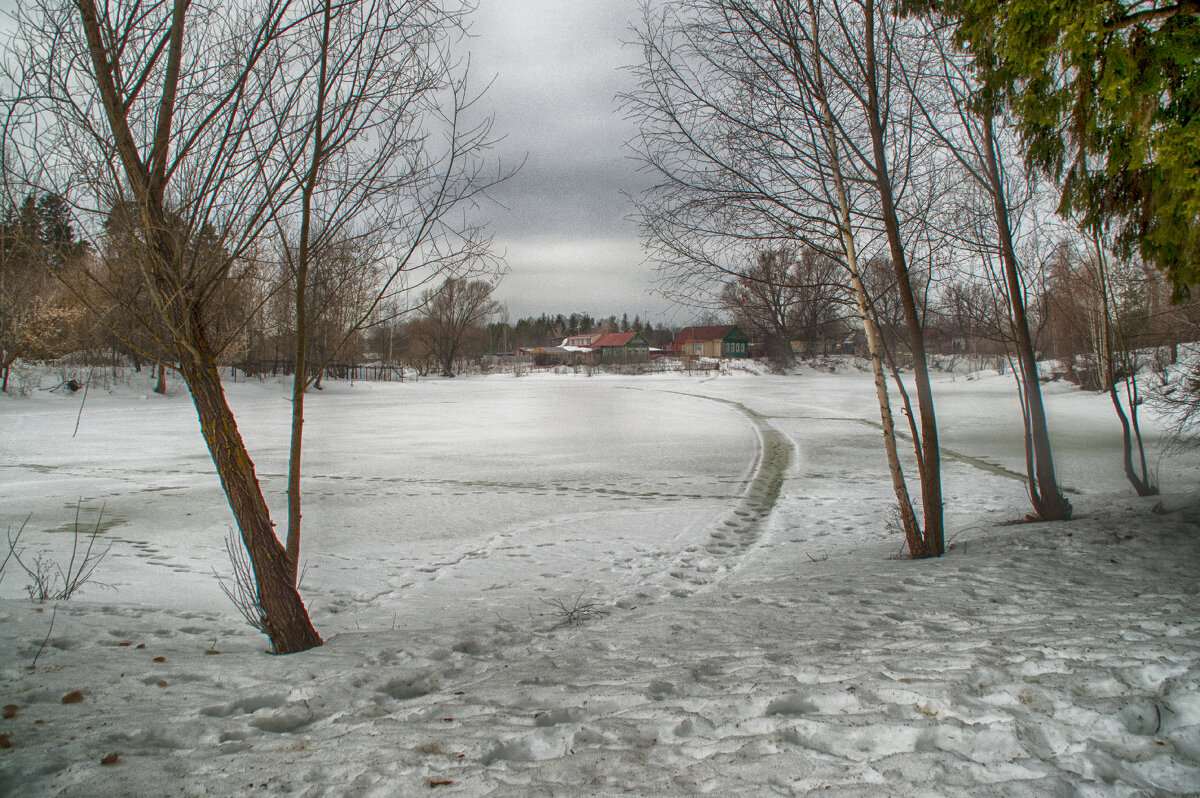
(721,340)
(627,347)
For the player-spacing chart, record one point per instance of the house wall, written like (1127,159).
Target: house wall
(735,349)
(622,354)
(717,348)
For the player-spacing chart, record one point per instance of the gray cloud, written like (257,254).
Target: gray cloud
(557,70)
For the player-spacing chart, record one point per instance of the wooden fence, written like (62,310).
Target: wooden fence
(362,372)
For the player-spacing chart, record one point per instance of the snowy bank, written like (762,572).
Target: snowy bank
(761,637)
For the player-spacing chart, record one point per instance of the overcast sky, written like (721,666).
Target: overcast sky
(564,231)
(565,235)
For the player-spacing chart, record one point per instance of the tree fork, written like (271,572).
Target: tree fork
(917,548)
(929,452)
(1048,500)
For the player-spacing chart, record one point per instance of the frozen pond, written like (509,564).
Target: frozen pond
(411,491)
(472,497)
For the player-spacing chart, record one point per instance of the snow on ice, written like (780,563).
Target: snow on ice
(756,631)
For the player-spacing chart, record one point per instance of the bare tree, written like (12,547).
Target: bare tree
(451,317)
(787,295)
(1098,302)
(874,83)
(975,311)
(755,144)
(916,537)
(382,163)
(312,122)
(1119,367)
(156,106)
(967,123)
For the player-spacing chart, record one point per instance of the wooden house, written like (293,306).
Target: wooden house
(629,347)
(722,340)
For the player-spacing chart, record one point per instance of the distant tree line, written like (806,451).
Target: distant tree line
(532,331)
(62,296)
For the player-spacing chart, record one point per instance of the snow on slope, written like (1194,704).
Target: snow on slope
(762,638)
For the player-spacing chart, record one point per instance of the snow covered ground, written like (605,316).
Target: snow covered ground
(762,637)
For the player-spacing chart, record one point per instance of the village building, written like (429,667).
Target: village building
(616,348)
(723,340)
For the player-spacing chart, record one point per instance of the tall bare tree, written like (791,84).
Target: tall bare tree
(451,316)
(155,106)
(1097,302)
(869,74)
(966,120)
(382,163)
(222,127)
(754,145)
(919,543)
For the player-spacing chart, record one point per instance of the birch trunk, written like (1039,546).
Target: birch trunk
(927,447)
(908,520)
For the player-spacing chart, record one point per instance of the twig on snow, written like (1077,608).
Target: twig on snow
(49,631)
(83,401)
(577,612)
(12,544)
(244,592)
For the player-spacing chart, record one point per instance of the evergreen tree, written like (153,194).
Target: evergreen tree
(1107,96)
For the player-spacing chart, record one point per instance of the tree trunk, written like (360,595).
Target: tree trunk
(285,620)
(300,380)
(160,387)
(908,521)
(927,448)
(1048,501)
(1141,485)
(1106,342)
(299,385)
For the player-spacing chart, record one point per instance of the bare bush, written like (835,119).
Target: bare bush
(12,545)
(50,579)
(1174,391)
(575,612)
(242,588)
